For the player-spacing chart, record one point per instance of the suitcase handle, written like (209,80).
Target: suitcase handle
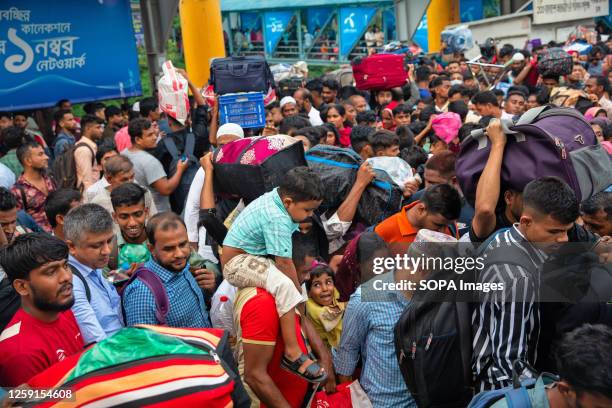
(238,70)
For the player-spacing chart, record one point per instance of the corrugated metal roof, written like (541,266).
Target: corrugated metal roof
(243,5)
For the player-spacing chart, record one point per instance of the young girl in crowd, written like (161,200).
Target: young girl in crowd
(323,308)
(334,114)
(350,116)
(329,135)
(387,119)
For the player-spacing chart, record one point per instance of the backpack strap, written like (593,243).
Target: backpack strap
(189,146)
(156,286)
(531,115)
(93,155)
(171,147)
(518,398)
(78,274)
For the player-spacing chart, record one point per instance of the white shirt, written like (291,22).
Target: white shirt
(192,216)
(506,115)
(95,189)
(315,117)
(7,177)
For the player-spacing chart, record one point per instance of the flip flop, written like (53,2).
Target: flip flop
(311,371)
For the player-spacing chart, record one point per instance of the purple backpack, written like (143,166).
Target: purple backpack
(545,141)
(156,286)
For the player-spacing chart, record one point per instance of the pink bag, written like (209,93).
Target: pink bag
(253,150)
(446,126)
(249,167)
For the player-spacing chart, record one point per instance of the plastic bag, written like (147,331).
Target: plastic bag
(399,171)
(457,39)
(173,93)
(347,395)
(221,307)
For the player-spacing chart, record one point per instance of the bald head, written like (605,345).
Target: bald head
(359,103)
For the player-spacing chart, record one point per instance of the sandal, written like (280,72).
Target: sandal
(311,371)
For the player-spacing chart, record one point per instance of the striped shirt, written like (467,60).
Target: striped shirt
(506,324)
(368,333)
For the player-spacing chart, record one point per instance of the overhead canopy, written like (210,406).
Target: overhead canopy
(242,5)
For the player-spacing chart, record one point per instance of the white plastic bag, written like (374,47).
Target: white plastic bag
(399,171)
(173,93)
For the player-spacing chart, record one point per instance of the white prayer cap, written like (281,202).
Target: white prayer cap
(230,129)
(286,100)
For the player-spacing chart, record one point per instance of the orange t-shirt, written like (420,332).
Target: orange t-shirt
(397,228)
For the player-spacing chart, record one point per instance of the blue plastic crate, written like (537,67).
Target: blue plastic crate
(244,109)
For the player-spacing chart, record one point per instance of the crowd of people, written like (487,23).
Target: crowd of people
(119,192)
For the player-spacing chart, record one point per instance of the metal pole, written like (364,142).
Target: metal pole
(339,36)
(299,33)
(264,36)
(154,46)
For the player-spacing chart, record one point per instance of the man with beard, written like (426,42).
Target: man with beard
(33,186)
(44,330)
(170,250)
(305,103)
(88,230)
(516,66)
(66,128)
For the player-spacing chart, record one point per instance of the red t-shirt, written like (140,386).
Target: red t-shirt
(29,346)
(259,324)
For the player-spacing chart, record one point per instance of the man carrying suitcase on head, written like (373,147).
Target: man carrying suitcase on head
(188,140)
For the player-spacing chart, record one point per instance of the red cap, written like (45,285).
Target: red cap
(223,299)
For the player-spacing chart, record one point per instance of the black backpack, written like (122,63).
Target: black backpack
(433,338)
(178,198)
(64,169)
(433,343)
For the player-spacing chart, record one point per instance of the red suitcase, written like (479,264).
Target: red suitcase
(380,71)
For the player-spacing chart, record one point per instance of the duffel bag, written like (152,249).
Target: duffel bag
(241,74)
(250,167)
(148,366)
(343,75)
(555,61)
(379,71)
(337,168)
(287,86)
(380,200)
(545,141)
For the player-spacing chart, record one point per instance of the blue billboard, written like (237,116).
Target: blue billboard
(352,26)
(470,10)
(421,35)
(316,17)
(82,50)
(276,24)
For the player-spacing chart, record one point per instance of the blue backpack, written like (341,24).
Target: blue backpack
(516,395)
